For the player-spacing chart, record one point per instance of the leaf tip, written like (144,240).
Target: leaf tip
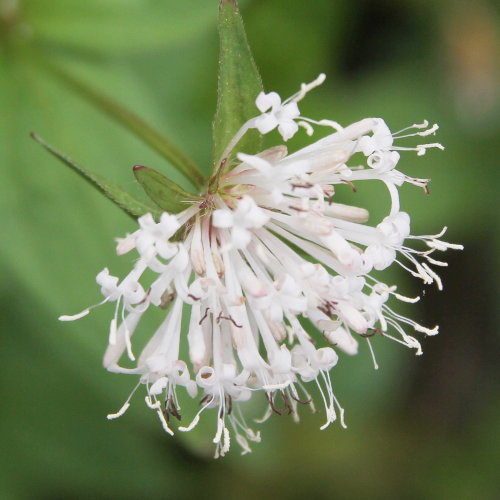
(40,141)
(232,2)
(138,167)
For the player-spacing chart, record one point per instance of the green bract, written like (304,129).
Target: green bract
(116,194)
(239,83)
(168,195)
(238,86)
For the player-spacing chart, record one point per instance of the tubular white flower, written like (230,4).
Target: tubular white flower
(271,248)
(247,216)
(281,115)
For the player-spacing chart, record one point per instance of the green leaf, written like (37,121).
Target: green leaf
(168,195)
(131,205)
(135,125)
(239,84)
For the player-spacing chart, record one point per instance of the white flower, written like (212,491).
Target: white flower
(274,249)
(247,216)
(281,115)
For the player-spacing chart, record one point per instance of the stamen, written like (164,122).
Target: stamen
(402,298)
(305,88)
(196,419)
(164,423)
(421,149)
(309,130)
(329,410)
(83,313)
(154,406)
(330,123)
(204,316)
(265,417)
(431,273)
(424,124)
(74,317)
(372,353)
(432,130)
(436,262)
(120,412)
(427,331)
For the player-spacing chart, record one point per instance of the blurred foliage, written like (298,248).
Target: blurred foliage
(419,427)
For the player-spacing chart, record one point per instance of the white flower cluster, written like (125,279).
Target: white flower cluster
(267,248)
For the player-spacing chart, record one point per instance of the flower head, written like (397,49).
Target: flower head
(270,248)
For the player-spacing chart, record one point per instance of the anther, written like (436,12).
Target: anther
(351,184)
(302,402)
(229,318)
(204,316)
(171,409)
(167,297)
(301,185)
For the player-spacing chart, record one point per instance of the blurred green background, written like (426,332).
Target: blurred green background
(424,427)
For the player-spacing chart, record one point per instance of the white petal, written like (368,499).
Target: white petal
(287,129)
(327,358)
(222,218)
(266,123)
(158,386)
(240,237)
(343,340)
(114,352)
(266,101)
(263,166)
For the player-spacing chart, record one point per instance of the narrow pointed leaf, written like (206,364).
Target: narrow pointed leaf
(168,195)
(134,124)
(238,86)
(128,203)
